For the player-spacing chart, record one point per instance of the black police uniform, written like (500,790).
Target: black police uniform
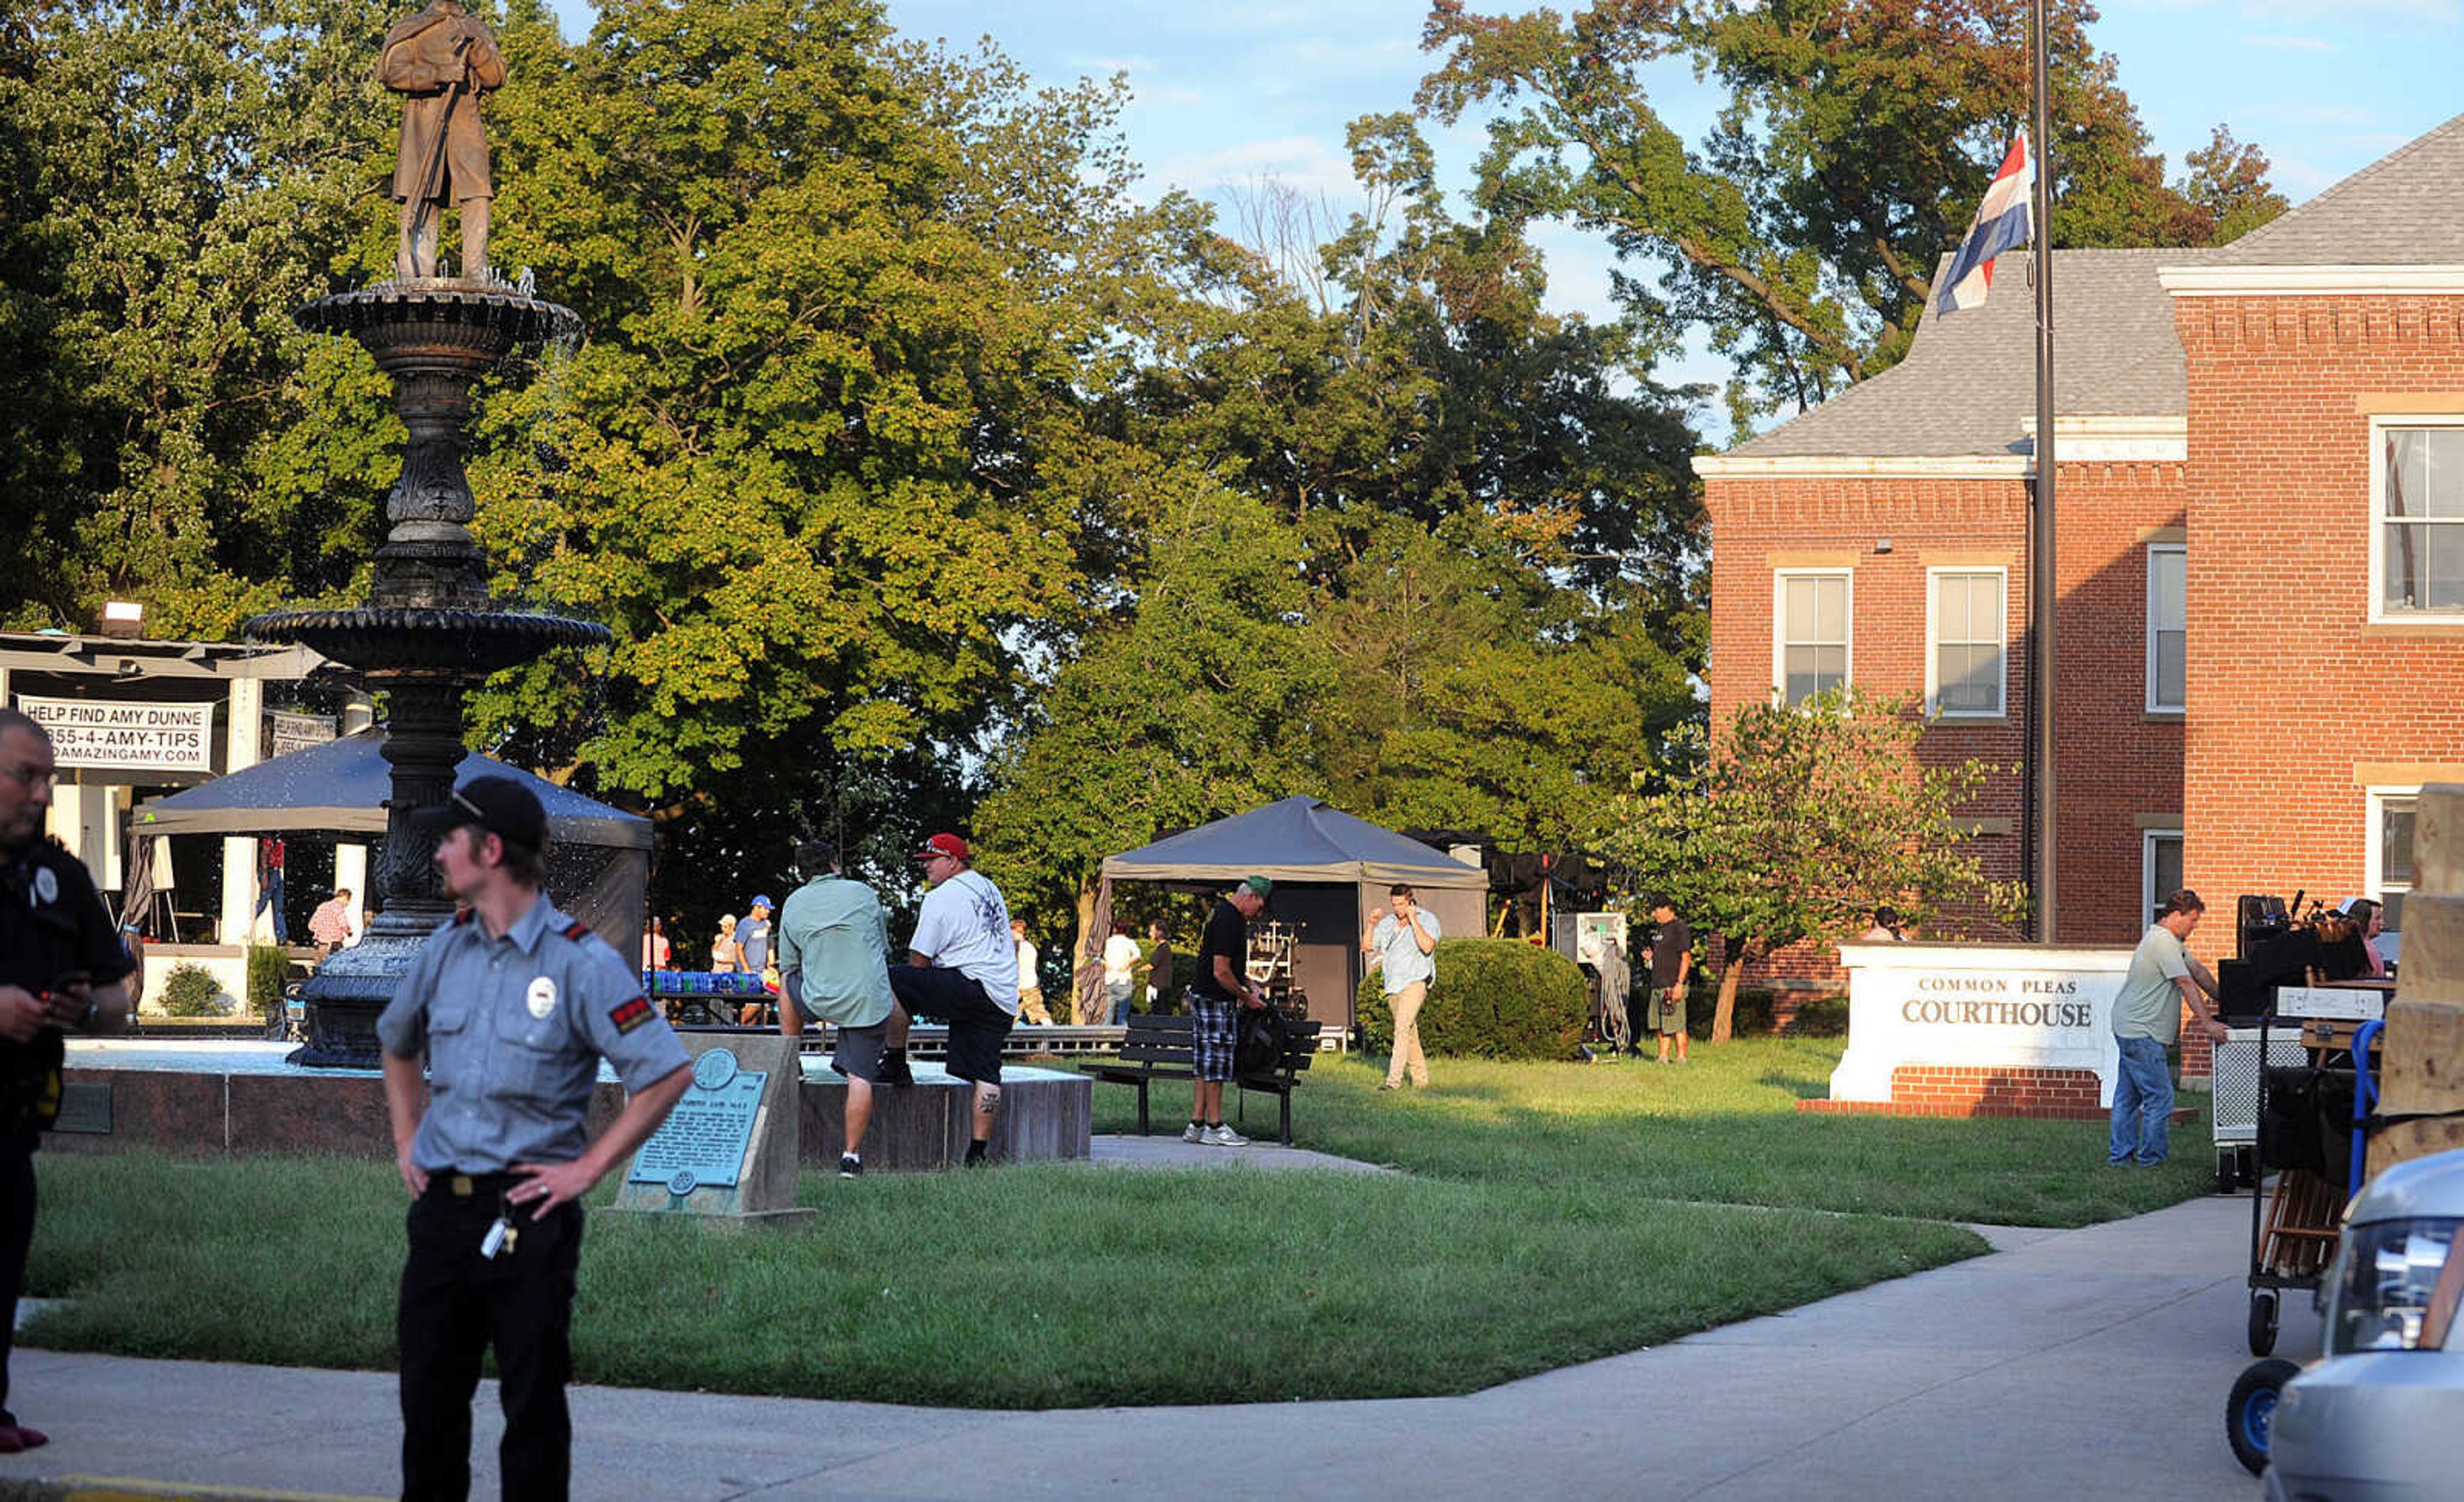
(52,928)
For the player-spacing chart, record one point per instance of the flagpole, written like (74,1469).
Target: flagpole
(2042,583)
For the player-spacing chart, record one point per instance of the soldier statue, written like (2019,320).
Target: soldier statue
(441,61)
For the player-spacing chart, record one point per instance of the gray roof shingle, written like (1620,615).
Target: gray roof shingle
(2406,208)
(1969,379)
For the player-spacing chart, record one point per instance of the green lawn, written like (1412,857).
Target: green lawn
(1552,1214)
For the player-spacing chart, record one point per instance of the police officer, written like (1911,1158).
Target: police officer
(60,967)
(515,1005)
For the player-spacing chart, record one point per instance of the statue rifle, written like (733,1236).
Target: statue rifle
(429,181)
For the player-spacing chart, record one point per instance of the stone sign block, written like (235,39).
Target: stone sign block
(727,1153)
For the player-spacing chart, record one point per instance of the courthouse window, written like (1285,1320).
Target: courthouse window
(2417,538)
(1810,649)
(2168,619)
(1965,674)
(2160,869)
(2392,852)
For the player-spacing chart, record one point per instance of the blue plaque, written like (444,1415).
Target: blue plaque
(703,1142)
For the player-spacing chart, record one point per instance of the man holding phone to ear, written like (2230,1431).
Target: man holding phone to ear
(60,967)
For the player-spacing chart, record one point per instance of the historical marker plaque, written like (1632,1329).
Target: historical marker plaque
(705,1139)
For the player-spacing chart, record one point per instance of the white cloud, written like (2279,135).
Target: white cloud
(1306,164)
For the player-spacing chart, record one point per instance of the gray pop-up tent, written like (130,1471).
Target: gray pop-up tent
(599,858)
(1329,871)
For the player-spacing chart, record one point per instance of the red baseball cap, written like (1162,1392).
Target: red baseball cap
(940,845)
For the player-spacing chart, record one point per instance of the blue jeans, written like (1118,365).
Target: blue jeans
(2143,1104)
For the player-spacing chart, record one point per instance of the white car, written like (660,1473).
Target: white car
(2379,1415)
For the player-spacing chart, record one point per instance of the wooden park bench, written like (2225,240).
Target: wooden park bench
(1155,1048)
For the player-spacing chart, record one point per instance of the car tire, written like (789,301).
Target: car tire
(2250,1413)
(2263,1323)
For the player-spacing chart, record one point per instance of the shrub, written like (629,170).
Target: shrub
(1814,1016)
(269,970)
(1494,998)
(191,991)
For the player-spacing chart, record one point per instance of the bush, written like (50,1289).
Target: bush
(269,970)
(1816,1016)
(191,991)
(1494,998)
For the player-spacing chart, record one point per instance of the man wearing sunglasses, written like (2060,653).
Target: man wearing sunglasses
(60,967)
(514,1003)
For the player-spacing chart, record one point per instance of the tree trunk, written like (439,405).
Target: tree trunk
(1087,945)
(1723,1017)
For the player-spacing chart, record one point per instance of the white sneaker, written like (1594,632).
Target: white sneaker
(1224,1137)
(1193,1133)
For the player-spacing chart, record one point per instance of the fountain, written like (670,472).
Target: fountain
(428,631)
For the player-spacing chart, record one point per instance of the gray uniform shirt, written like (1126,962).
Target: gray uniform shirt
(514,1028)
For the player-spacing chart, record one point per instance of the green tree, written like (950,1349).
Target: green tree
(183,176)
(1800,235)
(2228,182)
(1795,825)
(1204,703)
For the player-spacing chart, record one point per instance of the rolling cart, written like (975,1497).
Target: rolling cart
(2293,1230)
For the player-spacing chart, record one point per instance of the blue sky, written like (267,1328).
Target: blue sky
(1230,95)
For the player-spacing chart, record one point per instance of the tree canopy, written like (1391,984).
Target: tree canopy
(1852,142)
(1795,823)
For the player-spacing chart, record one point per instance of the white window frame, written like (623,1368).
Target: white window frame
(2378,520)
(2155,704)
(2374,881)
(1779,624)
(2149,896)
(2001,709)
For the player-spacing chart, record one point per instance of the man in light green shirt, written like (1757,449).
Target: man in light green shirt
(2146,1019)
(835,967)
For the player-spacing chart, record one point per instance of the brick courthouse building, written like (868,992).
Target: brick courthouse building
(2260,501)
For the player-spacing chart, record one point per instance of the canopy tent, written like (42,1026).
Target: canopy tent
(598,857)
(1330,870)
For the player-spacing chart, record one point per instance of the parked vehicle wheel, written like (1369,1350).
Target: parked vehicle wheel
(2262,1322)
(2250,1413)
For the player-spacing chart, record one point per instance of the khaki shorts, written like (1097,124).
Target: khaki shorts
(1666,1013)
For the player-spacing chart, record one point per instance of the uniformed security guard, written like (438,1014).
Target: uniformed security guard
(516,1004)
(60,967)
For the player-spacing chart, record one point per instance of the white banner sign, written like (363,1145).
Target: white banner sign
(121,733)
(1976,1007)
(297,731)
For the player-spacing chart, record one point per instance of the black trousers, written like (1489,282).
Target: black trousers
(16,1234)
(455,1305)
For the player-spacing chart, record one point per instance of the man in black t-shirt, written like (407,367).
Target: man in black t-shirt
(60,967)
(1672,968)
(1218,990)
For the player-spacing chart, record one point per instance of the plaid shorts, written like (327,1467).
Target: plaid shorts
(1212,1035)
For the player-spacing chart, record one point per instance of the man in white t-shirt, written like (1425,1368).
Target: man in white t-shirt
(962,968)
(1121,958)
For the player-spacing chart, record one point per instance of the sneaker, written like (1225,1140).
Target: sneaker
(1193,1133)
(1223,1136)
(894,1070)
(1389,1085)
(850,1167)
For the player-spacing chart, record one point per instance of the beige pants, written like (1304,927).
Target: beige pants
(1406,1004)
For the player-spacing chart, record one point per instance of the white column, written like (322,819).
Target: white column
(351,870)
(80,818)
(246,729)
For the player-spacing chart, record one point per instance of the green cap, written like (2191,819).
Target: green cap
(1260,885)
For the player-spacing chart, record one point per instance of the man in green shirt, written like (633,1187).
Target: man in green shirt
(835,967)
(2146,1018)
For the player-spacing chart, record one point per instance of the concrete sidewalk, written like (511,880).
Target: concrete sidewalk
(2088,1363)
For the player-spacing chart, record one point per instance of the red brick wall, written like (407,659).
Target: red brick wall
(2115,763)
(1934,1091)
(2289,686)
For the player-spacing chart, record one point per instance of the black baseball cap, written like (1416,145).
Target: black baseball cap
(497,805)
